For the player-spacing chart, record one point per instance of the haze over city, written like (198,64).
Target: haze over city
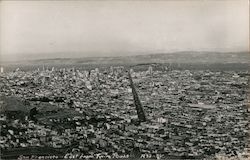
(61,29)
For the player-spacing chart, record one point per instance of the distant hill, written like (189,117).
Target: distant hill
(177,60)
(176,57)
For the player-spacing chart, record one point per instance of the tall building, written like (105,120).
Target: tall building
(1,70)
(97,70)
(112,70)
(131,71)
(150,70)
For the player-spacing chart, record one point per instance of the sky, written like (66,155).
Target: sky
(117,28)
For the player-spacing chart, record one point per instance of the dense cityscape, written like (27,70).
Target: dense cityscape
(189,113)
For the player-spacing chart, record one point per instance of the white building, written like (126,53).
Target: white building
(150,70)
(88,85)
(1,70)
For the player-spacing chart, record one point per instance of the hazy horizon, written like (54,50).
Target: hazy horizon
(43,56)
(64,29)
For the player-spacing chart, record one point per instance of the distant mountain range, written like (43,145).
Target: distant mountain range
(176,57)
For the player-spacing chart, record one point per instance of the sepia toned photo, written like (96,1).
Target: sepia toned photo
(124,80)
